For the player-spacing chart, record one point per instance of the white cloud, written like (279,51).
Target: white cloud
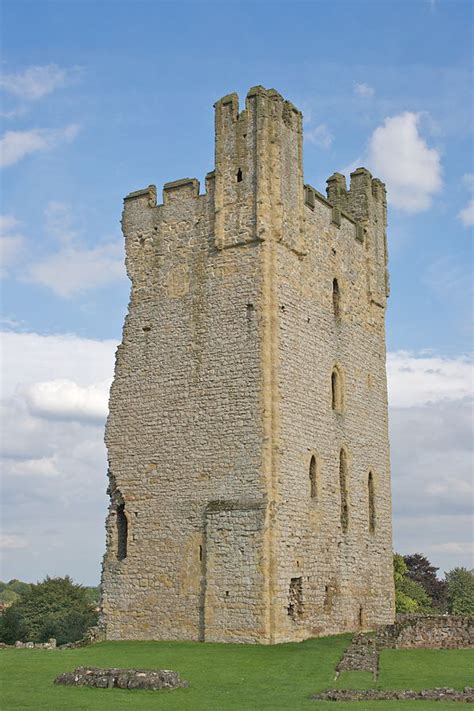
(399,155)
(29,358)
(7,223)
(15,145)
(320,136)
(34,82)
(415,380)
(12,541)
(41,467)
(73,269)
(54,469)
(64,399)
(466,215)
(364,90)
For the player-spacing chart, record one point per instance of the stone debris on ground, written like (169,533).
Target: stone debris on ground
(50,644)
(438,694)
(152,680)
(360,655)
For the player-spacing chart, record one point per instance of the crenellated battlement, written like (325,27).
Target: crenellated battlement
(256,191)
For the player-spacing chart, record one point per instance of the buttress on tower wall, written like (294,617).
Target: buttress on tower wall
(247,433)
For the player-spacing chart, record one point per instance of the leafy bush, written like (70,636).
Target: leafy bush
(56,607)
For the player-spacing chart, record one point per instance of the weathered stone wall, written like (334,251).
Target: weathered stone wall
(347,575)
(433,632)
(222,394)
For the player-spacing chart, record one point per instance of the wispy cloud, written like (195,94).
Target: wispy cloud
(36,81)
(364,90)
(466,215)
(416,380)
(12,541)
(59,222)
(11,243)
(74,269)
(399,155)
(15,145)
(319,136)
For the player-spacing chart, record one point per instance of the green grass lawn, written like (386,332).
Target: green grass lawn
(224,676)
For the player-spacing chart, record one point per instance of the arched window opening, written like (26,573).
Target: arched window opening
(122,532)
(337,392)
(313,477)
(336,299)
(343,489)
(371,503)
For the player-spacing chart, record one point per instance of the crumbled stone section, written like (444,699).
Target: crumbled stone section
(428,632)
(441,694)
(122,678)
(361,655)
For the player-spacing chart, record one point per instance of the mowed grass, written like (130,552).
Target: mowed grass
(224,677)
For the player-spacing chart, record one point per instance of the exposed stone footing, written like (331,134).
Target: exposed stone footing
(361,655)
(441,694)
(122,678)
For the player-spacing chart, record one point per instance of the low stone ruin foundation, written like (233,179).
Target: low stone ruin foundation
(153,680)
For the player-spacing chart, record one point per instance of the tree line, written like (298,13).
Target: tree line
(418,589)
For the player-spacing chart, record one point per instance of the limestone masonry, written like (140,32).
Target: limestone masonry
(247,435)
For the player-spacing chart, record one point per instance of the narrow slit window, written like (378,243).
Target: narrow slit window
(313,477)
(343,490)
(122,532)
(371,503)
(336,299)
(337,393)
(239,175)
(295,598)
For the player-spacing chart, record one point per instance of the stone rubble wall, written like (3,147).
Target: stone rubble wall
(437,694)
(430,632)
(50,644)
(360,655)
(151,680)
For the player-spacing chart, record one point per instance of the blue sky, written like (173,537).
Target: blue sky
(101,98)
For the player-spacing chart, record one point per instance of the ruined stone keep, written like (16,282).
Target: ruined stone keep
(247,435)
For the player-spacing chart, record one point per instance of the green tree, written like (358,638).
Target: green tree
(18,586)
(93,595)
(7,596)
(421,571)
(460,582)
(409,595)
(56,607)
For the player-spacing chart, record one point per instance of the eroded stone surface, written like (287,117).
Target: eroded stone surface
(245,300)
(122,678)
(360,655)
(429,632)
(439,694)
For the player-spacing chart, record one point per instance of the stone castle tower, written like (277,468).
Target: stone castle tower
(247,435)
